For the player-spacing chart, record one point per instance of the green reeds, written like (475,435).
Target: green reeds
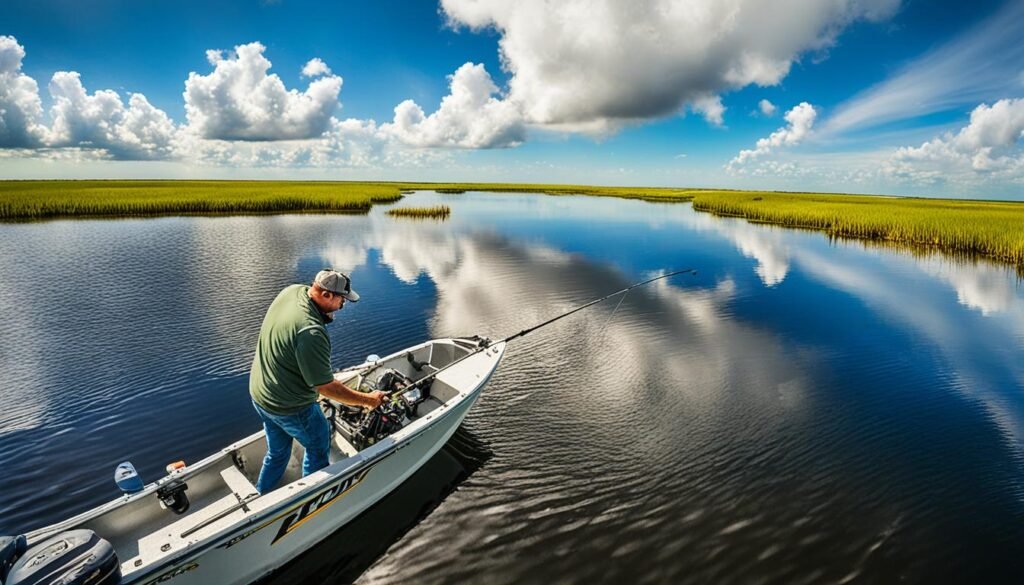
(435,212)
(646,193)
(988,228)
(33,200)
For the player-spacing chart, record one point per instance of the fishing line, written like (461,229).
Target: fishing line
(429,377)
(604,329)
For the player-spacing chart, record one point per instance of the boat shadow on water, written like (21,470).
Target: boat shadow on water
(344,555)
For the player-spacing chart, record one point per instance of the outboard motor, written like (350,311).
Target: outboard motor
(75,557)
(11,548)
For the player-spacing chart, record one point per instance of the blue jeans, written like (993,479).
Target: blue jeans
(311,429)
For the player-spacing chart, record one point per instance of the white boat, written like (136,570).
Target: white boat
(226,532)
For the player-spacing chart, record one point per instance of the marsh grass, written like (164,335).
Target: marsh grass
(646,193)
(34,200)
(435,212)
(965,227)
(970,228)
(37,200)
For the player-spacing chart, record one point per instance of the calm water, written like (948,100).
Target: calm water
(802,411)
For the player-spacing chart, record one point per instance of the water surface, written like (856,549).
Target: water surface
(801,411)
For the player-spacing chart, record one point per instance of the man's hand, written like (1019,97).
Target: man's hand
(374,399)
(335,390)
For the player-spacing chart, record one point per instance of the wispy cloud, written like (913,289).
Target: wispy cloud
(983,64)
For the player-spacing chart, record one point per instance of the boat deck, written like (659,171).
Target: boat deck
(216,507)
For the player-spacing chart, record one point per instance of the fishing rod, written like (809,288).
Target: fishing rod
(430,377)
(377,423)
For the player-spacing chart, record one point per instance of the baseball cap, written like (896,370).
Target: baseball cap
(336,282)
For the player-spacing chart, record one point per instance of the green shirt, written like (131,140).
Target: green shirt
(293,354)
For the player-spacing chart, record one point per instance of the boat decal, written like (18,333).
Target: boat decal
(174,573)
(318,503)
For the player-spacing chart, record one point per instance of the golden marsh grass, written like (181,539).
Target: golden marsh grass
(435,212)
(988,228)
(32,200)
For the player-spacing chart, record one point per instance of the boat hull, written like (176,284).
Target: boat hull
(274,537)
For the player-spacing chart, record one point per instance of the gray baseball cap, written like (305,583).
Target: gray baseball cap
(336,282)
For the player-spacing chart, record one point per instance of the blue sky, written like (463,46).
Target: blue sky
(879,96)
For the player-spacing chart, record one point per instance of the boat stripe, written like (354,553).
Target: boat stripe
(328,505)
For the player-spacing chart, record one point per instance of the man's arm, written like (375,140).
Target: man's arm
(335,390)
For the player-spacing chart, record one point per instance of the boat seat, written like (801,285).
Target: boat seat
(238,483)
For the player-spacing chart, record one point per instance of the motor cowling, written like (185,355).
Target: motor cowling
(75,557)
(11,549)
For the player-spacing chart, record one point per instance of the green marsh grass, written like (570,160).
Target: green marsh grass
(33,200)
(435,212)
(967,227)
(646,193)
(988,228)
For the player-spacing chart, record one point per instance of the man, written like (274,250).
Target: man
(292,367)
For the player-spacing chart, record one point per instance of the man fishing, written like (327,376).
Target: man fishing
(292,367)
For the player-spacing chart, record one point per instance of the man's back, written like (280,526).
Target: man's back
(293,354)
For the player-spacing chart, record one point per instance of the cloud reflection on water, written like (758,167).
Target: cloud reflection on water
(896,284)
(494,285)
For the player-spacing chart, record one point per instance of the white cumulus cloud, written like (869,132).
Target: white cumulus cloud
(315,67)
(240,101)
(767,108)
(800,120)
(710,106)
(988,145)
(594,65)
(347,144)
(469,116)
(21,110)
(101,120)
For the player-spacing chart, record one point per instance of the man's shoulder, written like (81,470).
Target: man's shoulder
(288,296)
(291,309)
(295,290)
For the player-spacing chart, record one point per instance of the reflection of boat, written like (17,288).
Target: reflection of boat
(344,555)
(205,523)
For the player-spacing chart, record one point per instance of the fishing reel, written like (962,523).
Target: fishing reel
(399,406)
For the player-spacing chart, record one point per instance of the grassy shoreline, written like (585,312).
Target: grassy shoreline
(992,229)
(35,200)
